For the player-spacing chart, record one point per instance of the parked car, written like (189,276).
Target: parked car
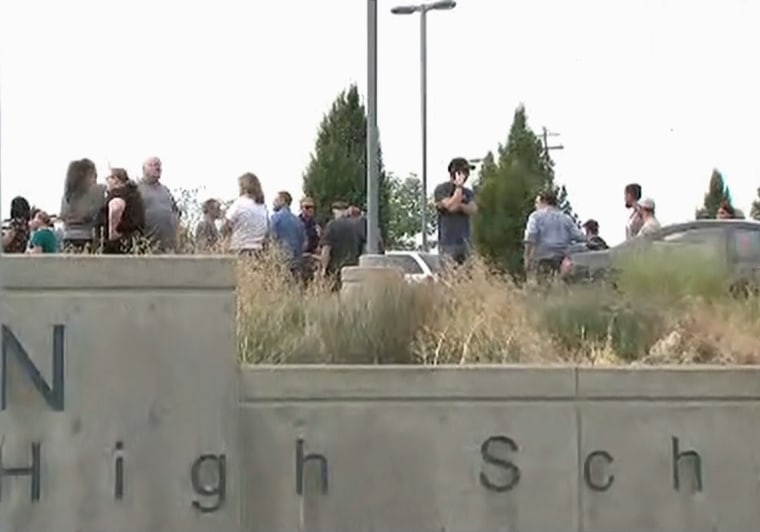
(416,265)
(737,242)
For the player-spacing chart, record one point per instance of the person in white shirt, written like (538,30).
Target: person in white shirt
(247,219)
(650,225)
(632,196)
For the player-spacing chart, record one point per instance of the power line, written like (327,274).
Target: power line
(547,148)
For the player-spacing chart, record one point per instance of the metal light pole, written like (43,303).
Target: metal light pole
(373,169)
(423,9)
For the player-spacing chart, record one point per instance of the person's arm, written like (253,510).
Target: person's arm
(229,219)
(274,228)
(469,207)
(8,237)
(576,235)
(115,210)
(328,239)
(445,201)
(530,239)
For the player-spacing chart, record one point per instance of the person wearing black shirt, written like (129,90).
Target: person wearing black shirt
(341,245)
(123,216)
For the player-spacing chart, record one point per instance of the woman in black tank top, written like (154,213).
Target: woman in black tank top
(123,215)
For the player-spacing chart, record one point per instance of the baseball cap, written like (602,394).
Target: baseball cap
(647,203)
(458,164)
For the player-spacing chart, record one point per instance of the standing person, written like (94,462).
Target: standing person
(651,224)
(161,210)
(206,233)
(310,225)
(123,215)
(288,232)
(455,204)
(632,196)
(340,245)
(82,202)
(549,234)
(16,234)
(594,242)
(247,219)
(43,239)
(725,211)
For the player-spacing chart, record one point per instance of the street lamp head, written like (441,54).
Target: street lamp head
(405,10)
(441,4)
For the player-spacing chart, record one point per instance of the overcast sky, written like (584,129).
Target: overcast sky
(654,91)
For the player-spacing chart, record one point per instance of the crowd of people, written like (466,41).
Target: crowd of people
(125,216)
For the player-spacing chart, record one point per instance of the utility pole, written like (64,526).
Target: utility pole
(547,148)
(373,166)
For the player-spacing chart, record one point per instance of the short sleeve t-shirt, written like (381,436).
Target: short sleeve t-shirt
(453,227)
(344,240)
(250,224)
(44,239)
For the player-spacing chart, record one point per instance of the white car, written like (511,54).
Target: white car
(416,265)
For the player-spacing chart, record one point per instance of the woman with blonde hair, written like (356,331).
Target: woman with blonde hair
(247,219)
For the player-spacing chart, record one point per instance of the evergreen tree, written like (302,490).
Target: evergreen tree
(754,213)
(564,204)
(337,170)
(717,193)
(507,193)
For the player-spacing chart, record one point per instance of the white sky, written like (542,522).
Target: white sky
(654,91)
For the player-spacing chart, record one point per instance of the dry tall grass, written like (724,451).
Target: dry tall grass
(659,313)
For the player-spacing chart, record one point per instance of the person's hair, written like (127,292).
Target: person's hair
(208,205)
(592,226)
(76,177)
(339,206)
(120,174)
(634,189)
(20,209)
(43,216)
(307,199)
(285,196)
(549,197)
(251,186)
(726,206)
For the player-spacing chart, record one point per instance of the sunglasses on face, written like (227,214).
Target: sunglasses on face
(308,207)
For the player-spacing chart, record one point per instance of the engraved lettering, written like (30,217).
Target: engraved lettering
(690,456)
(118,488)
(511,470)
(588,469)
(205,466)
(34,471)
(302,460)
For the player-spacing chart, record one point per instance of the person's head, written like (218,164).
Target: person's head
(80,175)
(632,194)
(118,178)
(307,207)
(354,211)
(647,207)
(282,199)
(40,220)
(339,209)
(460,165)
(212,209)
(725,211)
(251,186)
(152,169)
(20,209)
(592,228)
(547,198)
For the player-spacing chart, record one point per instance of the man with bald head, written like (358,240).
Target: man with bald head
(161,211)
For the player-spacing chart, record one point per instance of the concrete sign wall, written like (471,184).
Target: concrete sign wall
(496,449)
(118,395)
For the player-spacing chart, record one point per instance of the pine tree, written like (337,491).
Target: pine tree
(754,212)
(507,192)
(337,170)
(564,204)
(717,193)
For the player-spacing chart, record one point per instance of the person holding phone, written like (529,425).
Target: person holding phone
(455,204)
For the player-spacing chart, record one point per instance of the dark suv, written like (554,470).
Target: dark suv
(737,242)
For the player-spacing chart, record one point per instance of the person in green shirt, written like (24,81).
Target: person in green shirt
(43,238)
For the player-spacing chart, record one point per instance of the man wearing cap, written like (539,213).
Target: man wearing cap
(650,225)
(594,242)
(341,245)
(455,204)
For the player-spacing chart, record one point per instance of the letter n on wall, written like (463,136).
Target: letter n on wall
(11,346)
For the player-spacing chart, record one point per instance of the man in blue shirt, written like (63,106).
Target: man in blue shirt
(549,234)
(288,232)
(455,204)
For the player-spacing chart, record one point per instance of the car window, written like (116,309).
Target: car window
(405,262)
(433,261)
(747,244)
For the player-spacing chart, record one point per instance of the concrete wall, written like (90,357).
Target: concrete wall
(145,349)
(498,448)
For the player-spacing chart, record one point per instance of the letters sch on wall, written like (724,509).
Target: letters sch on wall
(207,474)
(500,472)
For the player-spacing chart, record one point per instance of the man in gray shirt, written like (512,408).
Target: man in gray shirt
(455,204)
(549,234)
(161,211)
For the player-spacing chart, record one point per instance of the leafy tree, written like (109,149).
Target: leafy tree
(564,204)
(717,193)
(754,212)
(404,212)
(508,187)
(338,167)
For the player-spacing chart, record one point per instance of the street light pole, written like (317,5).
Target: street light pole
(423,9)
(373,168)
